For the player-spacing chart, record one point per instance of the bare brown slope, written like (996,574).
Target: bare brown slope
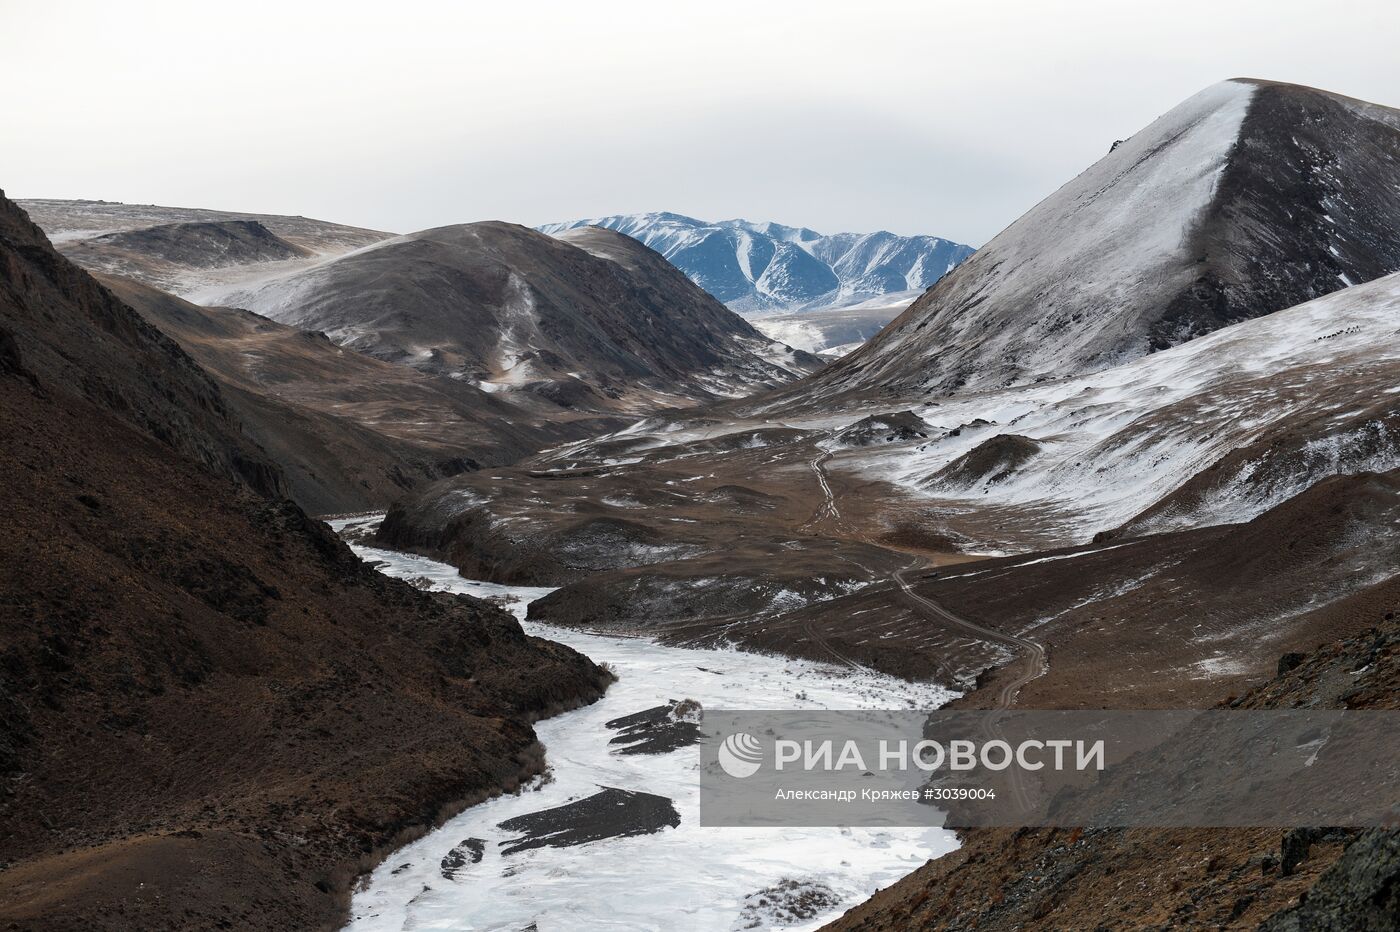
(211,713)
(61,325)
(1307,878)
(1177,620)
(351,432)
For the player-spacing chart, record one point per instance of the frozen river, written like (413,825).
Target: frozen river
(682,878)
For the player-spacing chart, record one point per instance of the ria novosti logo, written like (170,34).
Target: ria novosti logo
(740,755)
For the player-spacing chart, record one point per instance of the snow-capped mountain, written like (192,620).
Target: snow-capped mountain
(1247,198)
(758,267)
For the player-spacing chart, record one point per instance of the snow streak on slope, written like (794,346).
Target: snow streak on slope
(756,267)
(687,877)
(1244,418)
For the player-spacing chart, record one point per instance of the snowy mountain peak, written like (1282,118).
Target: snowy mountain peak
(756,267)
(1248,197)
(773,230)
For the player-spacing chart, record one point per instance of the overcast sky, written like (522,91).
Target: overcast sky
(931,117)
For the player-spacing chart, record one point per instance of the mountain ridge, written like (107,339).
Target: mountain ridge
(756,267)
(511,309)
(1247,198)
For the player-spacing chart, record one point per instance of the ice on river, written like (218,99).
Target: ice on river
(684,878)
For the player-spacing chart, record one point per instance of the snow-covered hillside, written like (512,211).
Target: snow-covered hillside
(756,267)
(1247,198)
(1216,430)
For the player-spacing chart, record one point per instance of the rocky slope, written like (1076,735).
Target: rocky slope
(211,713)
(351,432)
(1179,620)
(598,323)
(63,327)
(1245,199)
(755,267)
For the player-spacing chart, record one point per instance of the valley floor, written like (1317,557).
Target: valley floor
(777,536)
(629,870)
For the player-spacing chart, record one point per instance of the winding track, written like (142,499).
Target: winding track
(1030,656)
(828,508)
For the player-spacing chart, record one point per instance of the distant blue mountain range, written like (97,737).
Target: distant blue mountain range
(758,267)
